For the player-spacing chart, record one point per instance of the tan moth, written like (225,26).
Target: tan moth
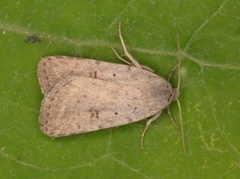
(84,95)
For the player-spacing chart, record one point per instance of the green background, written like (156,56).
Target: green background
(210,87)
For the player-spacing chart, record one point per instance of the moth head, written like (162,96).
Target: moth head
(174,93)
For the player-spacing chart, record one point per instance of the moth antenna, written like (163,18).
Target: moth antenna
(169,77)
(181,127)
(179,62)
(178,102)
(171,118)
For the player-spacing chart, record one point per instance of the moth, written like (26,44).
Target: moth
(84,95)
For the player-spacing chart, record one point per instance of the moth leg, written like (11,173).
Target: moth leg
(125,61)
(153,118)
(147,68)
(174,68)
(119,57)
(135,62)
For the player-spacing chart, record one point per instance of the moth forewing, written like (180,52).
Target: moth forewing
(51,69)
(79,104)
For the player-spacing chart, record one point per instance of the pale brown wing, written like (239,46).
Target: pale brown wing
(53,68)
(79,104)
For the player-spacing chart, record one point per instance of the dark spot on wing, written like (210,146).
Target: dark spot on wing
(94,113)
(130,120)
(93,74)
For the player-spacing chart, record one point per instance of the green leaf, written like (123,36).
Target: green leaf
(209,34)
